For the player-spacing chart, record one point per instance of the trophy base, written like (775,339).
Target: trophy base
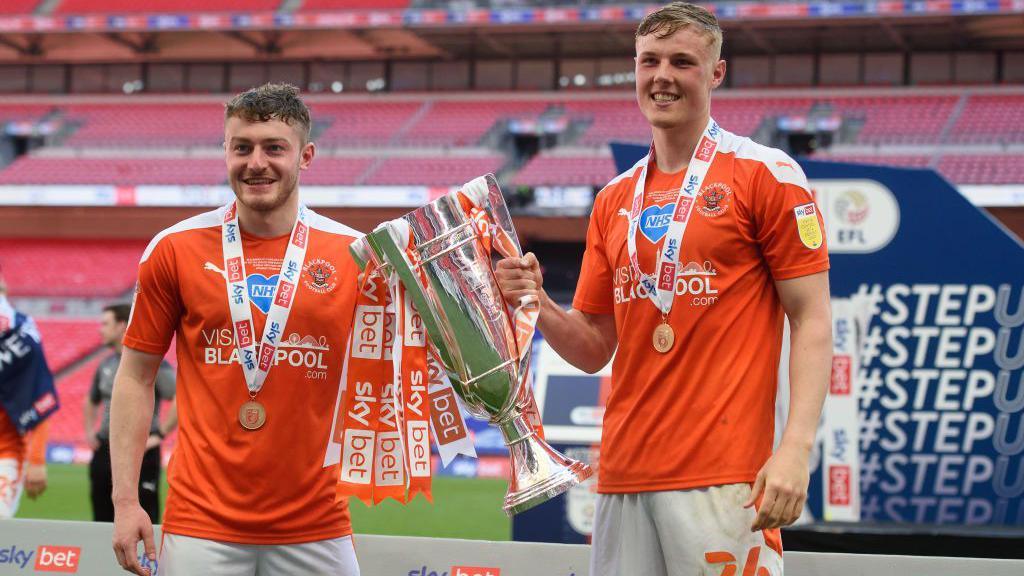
(539,473)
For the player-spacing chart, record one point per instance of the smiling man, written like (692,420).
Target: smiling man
(720,238)
(258,366)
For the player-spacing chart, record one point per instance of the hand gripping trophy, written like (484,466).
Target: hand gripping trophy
(438,261)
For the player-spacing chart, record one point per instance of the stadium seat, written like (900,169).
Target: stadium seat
(18,6)
(70,267)
(989,119)
(983,169)
(551,170)
(68,340)
(433,171)
(150,124)
(125,6)
(114,171)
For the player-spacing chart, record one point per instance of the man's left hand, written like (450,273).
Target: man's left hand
(783,480)
(35,480)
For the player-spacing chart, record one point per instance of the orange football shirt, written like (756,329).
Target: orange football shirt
(226,483)
(703,413)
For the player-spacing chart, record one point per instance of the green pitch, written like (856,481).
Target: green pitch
(463,507)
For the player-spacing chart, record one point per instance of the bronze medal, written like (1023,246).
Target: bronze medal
(664,337)
(252,415)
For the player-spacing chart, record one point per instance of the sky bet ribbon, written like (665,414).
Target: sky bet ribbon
(661,287)
(256,361)
(26,384)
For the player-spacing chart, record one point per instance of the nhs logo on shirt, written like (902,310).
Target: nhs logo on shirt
(654,221)
(261,290)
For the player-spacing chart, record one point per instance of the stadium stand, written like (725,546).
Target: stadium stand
(311,5)
(902,120)
(15,112)
(362,123)
(464,123)
(337,171)
(432,171)
(983,169)
(566,170)
(114,171)
(129,6)
(991,118)
(66,341)
(70,267)
(67,424)
(172,124)
(18,6)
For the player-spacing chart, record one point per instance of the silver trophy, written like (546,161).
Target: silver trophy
(470,329)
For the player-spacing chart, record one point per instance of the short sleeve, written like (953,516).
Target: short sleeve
(790,228)
(165,384)
(94,390)
(594,290)
(156,308)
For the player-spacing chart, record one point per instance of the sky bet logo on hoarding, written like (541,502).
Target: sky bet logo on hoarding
(47,558)
(457,571)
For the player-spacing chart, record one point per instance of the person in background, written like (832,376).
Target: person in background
(113,324)
(28,398)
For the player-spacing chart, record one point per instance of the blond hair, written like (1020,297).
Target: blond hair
(670,18)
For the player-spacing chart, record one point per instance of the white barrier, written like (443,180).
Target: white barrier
(49,546)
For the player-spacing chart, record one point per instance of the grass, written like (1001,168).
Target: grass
(467,508)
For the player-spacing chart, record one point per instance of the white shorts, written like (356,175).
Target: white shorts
(186,556)
(12,482)
(698,532)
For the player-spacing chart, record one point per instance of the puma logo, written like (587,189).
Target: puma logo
(623,212)
(213,268)
(782,164)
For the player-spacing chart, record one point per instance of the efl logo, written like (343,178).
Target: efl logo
(683,209)
(840,385)
(839,485)
(58,559)
(475,571)
(266,356)
(301,234)
(284,294)
(706,149)
(230,214)
(235,269)
(243,333)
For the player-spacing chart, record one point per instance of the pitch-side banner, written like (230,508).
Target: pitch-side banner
(935,288)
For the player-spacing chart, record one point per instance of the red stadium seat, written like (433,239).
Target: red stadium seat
(464,123)
(125,6)
(983,169)
(146,124)
(70,267)
(433,171)
(341,171)
(551,170)
(67,425)
(310,5)
(66,341)
(114,171)
(990,118)
(18,6)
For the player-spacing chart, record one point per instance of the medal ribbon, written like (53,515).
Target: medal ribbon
(257,361)
(369,370)
(661,288)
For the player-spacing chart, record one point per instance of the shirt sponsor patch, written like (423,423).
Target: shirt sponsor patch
(807,225)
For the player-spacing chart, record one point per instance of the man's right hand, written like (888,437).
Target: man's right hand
(518,277)
(131,524)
